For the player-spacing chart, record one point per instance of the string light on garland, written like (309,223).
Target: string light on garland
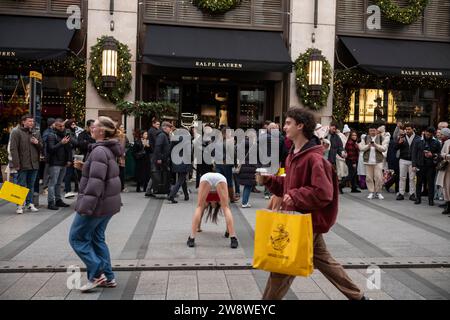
(122,85)
(312,99)
(216,6)
(71,66)
(406,15)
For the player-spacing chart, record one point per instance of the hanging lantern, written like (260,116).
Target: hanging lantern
(315,72)
(109,63)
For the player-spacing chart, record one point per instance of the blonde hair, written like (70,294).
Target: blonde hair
(109,126)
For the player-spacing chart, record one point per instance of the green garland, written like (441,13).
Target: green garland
(301,72)
(348,81)
(3,157)
(406,15)
(216,6)
(124,76)
(159,109)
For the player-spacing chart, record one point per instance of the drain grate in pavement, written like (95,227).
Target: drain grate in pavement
(231,264)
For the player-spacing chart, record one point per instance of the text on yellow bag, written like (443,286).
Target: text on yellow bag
(13,193)
(283,243)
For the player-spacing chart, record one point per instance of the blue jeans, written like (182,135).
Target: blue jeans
(56,176)
(227,172)
(237,187)
(246,194)
(87,238)
(26,178)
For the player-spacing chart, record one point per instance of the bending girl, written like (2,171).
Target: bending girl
(213,181)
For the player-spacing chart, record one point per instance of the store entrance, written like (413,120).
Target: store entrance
(213,104)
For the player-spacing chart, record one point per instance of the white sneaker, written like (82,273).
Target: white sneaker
(379,196)
(93,284)
(19,210)
(370,196)
(32,208)
(266,197)
(248,205)
(70,195)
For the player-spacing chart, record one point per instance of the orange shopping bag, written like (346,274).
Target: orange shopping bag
(283,243)
(13,193)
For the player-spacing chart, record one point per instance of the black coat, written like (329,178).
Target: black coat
(183,167)
(84,140)
(142,170)
(247,172)
(336,148)
(58,154)
(152,133)
(161,151)
(405,149)
(417,153)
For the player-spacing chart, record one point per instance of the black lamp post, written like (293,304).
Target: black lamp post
(315,72)
(109,63)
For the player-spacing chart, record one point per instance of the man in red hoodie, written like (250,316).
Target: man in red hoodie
(310,186)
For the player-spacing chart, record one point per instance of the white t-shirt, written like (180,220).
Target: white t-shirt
(372,154)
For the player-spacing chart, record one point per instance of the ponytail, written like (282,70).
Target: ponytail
(109,126)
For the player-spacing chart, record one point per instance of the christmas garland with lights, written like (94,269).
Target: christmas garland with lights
(346,82)
(216,6)
(158,109)
(405,15)
(124,76)
(301,77)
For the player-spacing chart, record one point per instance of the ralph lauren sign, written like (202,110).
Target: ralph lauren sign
(7,53)
(422,73)
(218,65)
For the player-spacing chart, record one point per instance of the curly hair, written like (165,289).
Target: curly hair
(307,118)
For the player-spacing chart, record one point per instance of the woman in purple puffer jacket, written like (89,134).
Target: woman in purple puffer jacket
(98,200)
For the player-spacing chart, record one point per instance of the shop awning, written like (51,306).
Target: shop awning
(221,49)
(33,38)
(400,57)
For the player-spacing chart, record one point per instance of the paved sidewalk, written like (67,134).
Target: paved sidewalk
(148,248)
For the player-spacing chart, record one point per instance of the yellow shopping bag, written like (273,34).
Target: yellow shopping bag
(283,243)
(13,193)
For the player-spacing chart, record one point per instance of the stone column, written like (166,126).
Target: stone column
(125,30)
(301,29)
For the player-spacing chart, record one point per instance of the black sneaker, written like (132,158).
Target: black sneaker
(412,197)
(400,197)
(147,195)
(172,200)
(234,243)
(61,204)
(356,191)
(51,206)
(226,235)
(186,198)
(191,242)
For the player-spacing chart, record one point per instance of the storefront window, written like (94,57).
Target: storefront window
(170,93)
(253,103)
(14,97)
(376,105)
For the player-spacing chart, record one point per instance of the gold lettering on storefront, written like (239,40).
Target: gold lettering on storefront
(7,53)
(218,64)
(422,73)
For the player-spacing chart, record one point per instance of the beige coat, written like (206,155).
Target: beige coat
(443,177)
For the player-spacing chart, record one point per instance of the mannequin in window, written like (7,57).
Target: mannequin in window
(223,116)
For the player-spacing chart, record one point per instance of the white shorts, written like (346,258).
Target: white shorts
(213,178)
